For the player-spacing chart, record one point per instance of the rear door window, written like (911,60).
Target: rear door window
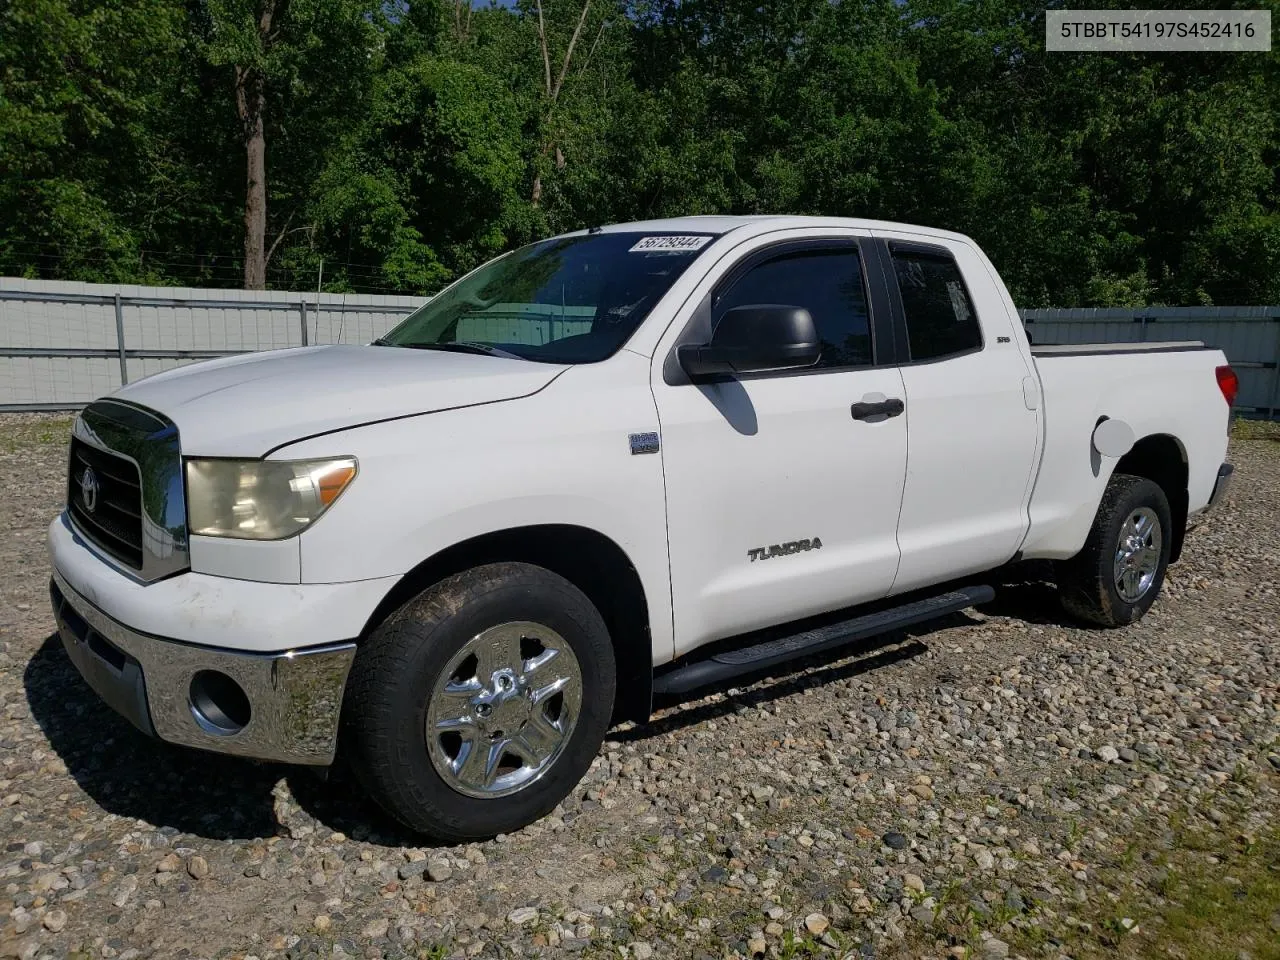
(939,314)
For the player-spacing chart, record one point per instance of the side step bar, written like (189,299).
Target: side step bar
(734,663)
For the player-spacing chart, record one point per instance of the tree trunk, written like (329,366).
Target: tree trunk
(250,102)
(552,87)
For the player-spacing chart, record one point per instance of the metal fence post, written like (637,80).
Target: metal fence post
(124,356)
(302,309)
(1273,407)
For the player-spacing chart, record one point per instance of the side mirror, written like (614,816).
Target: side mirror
(748,339)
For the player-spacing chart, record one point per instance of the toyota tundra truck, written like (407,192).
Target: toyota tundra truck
(628,461)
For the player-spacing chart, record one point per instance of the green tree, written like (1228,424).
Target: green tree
(303,62)
(399,142)
(83,87)
(429,183)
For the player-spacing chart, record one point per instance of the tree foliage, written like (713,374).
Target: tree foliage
(404,142)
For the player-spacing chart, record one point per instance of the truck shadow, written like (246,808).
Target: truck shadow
(132,775)
(225,798)
(190,791)
(792,678)
(1024,592)
(1027,591)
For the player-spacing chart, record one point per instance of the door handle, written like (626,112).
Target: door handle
(882,408)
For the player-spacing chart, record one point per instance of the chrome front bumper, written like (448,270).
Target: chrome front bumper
(294,696)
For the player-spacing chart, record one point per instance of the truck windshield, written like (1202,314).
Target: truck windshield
(565,300)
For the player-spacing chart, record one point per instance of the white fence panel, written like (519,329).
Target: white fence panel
(60,342)
(1249,336)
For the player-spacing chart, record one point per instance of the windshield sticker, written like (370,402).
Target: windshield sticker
(669,244)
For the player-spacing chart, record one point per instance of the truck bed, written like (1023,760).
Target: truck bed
(1160,389)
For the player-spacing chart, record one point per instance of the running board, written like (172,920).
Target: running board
(734,663)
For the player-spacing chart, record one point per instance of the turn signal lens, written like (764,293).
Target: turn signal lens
(332,479)
(1228,383)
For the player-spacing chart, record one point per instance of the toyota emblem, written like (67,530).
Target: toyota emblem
(89,489)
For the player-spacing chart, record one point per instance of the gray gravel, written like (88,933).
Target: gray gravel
(973,786)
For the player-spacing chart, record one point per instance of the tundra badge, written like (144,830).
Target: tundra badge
(783,549)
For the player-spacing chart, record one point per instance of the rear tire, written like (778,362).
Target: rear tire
(1117,576)
(478,706)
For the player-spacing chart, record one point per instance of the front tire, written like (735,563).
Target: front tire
(478,706)
(1117,576)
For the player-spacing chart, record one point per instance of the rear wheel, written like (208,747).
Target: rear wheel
(1117,576)
(476,707)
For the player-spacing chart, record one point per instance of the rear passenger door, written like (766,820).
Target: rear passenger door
(972,439)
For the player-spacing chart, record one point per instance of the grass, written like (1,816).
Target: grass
(1183,905)
(1217,910)
(34,430)
(794,946)
(1147,898)
(1242,429)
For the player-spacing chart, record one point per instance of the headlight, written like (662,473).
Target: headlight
(262,499)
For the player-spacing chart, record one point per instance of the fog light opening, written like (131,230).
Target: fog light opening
(218,703)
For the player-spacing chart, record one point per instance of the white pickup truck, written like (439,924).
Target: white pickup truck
(634,460)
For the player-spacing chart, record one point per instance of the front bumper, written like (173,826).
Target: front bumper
(217,611)
(294,696)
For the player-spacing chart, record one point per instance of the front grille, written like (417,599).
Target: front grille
(115,522)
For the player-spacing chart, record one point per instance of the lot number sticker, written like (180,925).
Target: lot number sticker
(669,244)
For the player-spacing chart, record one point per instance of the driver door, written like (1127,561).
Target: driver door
(780,504)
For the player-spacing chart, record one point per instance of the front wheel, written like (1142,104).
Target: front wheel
(475,708)
(1117,576)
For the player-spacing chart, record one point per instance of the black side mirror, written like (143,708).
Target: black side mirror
(748,339)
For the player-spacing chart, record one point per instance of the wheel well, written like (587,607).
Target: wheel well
(1161,459)
(590,561)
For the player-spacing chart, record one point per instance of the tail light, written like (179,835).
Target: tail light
(1228,383)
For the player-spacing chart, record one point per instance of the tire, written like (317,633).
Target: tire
(1090,584)
(471,624)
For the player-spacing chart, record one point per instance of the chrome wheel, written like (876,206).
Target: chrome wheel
(1137,554)
(503,709)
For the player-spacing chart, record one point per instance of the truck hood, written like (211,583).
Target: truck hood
(244,406)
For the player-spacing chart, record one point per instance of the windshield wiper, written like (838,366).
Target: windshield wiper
(464,346)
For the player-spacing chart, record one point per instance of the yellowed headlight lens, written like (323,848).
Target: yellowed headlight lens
(262,499)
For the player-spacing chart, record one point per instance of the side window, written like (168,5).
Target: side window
(827,283)
(940,317)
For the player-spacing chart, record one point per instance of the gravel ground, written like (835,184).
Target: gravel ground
(999,784)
